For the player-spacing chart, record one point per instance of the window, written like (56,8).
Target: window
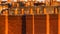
(58,0)
(41,0)
(13,0)
(49,10)
(59,10)
(25,0)
(4,0)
